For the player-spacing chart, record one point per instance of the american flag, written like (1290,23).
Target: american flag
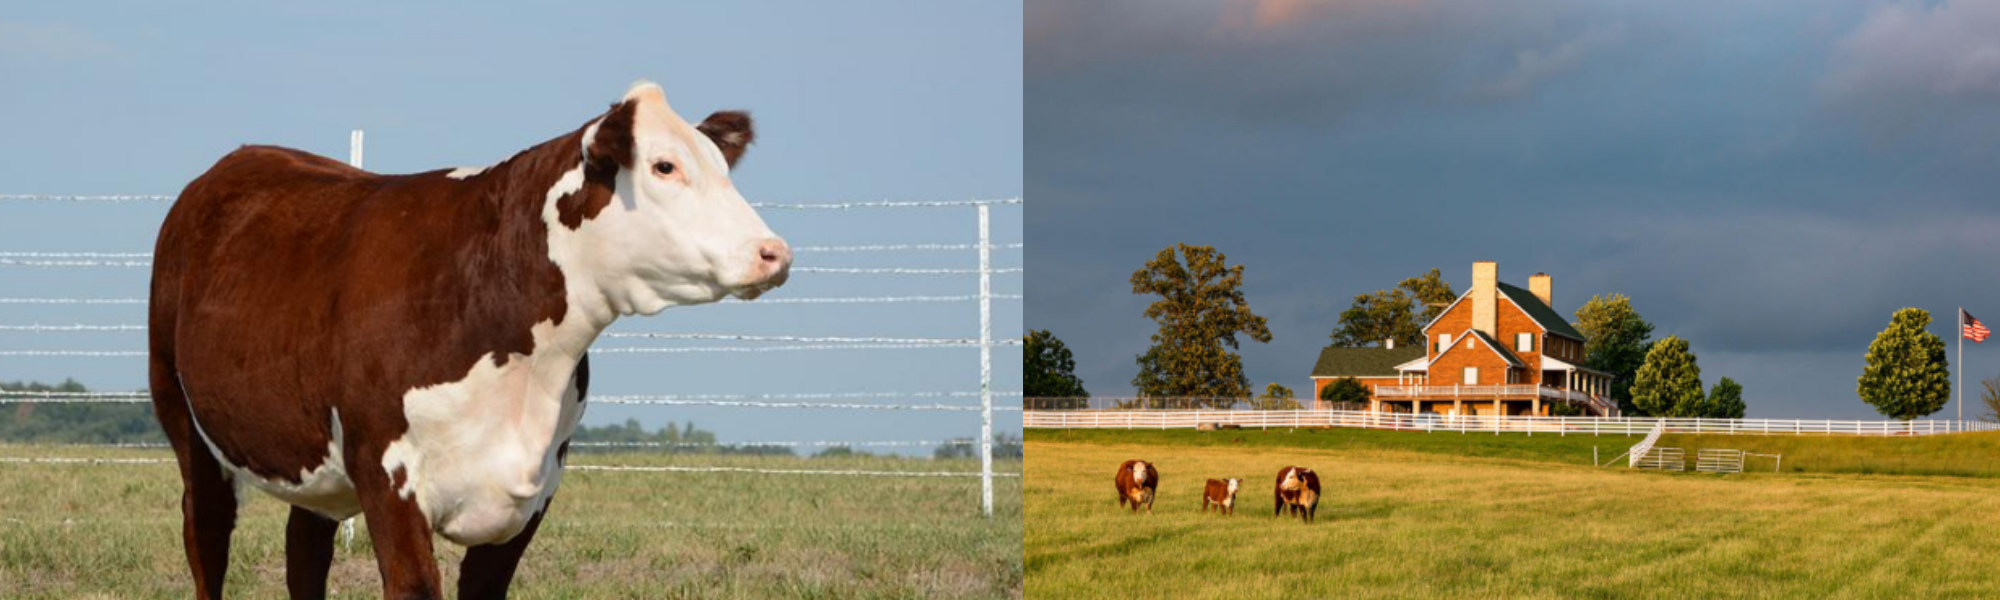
(1973,329)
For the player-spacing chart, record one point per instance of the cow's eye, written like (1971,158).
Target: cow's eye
(663,168)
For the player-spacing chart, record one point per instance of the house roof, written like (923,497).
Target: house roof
(1364,362)
(1547,317)
(1490,343)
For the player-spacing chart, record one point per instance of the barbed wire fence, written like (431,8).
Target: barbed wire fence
(924,401)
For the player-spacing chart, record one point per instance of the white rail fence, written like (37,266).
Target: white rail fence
(942,401)
(1468,424)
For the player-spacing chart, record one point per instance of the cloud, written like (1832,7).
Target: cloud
(1909,65)
(1534,66)
(50,41)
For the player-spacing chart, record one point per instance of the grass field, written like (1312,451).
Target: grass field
(1420,515)
(113,531)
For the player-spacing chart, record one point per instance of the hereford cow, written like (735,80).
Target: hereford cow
(1298,488)
(1221,494)
(411,348)
(1137,480)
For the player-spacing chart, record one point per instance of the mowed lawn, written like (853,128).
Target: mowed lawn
(1434,515)
(113,531)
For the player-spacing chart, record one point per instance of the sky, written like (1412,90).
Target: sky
(1769,180)
(893,100)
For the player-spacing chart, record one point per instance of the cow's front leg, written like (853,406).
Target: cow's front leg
(308,553)
(401,534)
(488,570)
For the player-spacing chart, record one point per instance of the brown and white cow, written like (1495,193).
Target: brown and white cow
(411,348)
(1221,494)
(1298,489)
(1137,481)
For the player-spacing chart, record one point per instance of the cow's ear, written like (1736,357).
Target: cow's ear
(607,142)
(731,132)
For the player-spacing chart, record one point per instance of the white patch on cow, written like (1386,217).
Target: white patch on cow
(464,172)
(1291,480)
(480,455)
(1139,473)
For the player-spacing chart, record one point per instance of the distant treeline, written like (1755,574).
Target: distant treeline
(133,423)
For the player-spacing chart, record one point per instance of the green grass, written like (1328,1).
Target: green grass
(113,531)
(1416,515)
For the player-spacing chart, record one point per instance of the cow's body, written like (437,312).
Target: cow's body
(1137,481)
(408,347)
(1221,495)
(1297,489)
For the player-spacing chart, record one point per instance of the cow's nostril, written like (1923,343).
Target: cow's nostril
(774,251)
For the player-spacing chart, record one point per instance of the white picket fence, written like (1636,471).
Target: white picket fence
(1494,424)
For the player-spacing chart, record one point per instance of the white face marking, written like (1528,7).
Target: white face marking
(1232,487)
(687,237)
(479,457)
(1139,473)
(464,172)
(1291,480)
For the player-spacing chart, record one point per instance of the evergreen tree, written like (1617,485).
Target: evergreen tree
(1201,309)
(1615,343)
(1669,384)
(1907,375)
(1725,400)
(1050,371)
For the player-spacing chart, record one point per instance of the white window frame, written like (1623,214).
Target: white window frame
(1524,342)
(1471,376)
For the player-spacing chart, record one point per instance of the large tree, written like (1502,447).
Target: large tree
(1725,400)
(1346,390)
(1398,313)
(1615,342)
(1050,371)
(1907,375)
(1669,384)
(1200,309)
(1277,397)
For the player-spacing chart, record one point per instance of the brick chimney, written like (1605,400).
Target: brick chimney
(1539,285)
(1485,291)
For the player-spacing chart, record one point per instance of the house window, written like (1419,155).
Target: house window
(1524,342)
(1472,376)
(1468,343)
(1444,339)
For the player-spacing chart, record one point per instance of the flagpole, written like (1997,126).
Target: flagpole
(1961,368)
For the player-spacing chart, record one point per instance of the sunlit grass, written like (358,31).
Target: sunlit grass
(1416,515)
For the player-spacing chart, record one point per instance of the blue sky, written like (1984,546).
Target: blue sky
(902,100)
(1770,180)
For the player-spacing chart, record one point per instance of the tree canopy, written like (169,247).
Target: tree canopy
(1615,342)
(1201,309)
(1669,383)
(1398,313)
(1050,371)
(1725,400)
(1907,375)
(1277,397)
(1345,390)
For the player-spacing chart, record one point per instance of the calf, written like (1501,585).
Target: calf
(1137,480)
(1298,488)
(1221,494)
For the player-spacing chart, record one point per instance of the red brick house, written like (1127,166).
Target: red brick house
(1498,349)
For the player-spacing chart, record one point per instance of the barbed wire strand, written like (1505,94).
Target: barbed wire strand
(727,302)
(581,467)
(770,205)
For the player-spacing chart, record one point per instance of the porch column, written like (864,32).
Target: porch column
(1374,405)
(1458,408)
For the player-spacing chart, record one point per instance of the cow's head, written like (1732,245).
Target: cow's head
(665,225)
(1232,487)
(1139,472)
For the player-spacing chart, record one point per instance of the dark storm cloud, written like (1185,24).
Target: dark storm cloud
(1726,164)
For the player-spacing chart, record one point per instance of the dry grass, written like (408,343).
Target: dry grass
(113,531)
(1428,524)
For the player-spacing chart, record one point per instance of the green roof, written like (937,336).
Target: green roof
(1541,313)
(1364,362)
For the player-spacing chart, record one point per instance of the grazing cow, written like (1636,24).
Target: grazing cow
(1298,488)
(1137,481)
(411,348)
(1221,494)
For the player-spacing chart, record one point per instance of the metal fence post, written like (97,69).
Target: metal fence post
(353,158)
(985,362)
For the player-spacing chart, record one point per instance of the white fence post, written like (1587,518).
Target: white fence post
(353,158)
(985,363)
